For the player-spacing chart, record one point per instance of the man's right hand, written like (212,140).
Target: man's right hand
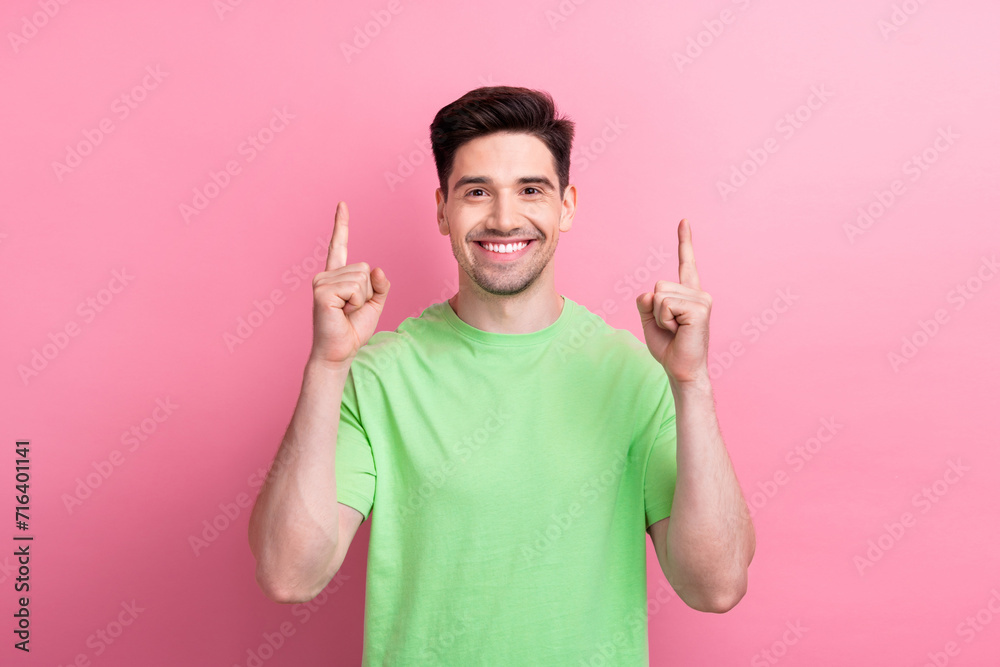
(347,301)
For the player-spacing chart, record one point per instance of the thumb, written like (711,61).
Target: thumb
(644,302)
(380,286)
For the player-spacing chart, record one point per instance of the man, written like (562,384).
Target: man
(514,448)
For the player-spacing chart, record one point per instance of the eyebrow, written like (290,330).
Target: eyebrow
(485,180)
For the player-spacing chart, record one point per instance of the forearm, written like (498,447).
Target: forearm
(294,524)
(710,536)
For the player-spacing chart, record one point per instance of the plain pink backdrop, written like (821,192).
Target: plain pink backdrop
(668,104)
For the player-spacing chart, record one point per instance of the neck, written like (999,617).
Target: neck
(533,309)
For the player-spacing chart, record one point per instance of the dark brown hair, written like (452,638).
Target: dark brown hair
(493,109)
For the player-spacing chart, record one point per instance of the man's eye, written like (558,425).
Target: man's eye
(533,188)
(476,190)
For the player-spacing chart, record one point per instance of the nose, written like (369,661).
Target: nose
(503,216)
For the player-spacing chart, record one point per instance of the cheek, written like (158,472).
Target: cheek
(458,225)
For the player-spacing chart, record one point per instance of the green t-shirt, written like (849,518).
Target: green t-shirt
(513,477)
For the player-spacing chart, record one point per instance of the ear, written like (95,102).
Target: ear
(442,216)
(568,209)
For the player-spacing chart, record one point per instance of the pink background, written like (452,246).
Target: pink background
(661,134)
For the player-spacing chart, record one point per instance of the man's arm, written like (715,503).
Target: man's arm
(299,533)
(705,550)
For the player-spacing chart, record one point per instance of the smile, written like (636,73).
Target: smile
(503,251)
(501,247)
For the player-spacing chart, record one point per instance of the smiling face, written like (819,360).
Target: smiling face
(504,213)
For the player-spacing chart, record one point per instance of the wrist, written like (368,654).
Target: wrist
(325,366)
(699,384)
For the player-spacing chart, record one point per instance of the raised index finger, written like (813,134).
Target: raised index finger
(337,255)
(687,272)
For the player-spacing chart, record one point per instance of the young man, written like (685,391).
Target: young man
(514,448)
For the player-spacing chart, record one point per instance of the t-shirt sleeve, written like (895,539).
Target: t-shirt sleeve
(354,462)
(661,468)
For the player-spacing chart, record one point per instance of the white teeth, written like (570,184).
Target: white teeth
(504,248)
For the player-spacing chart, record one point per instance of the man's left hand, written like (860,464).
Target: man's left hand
(675,317)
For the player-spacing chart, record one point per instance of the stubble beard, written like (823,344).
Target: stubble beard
(504,280)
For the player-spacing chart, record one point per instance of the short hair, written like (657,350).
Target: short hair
(492,109)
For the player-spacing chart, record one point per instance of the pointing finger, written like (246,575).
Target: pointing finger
(337,255)
(687,272)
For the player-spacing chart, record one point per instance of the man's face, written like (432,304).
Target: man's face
(503,189)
